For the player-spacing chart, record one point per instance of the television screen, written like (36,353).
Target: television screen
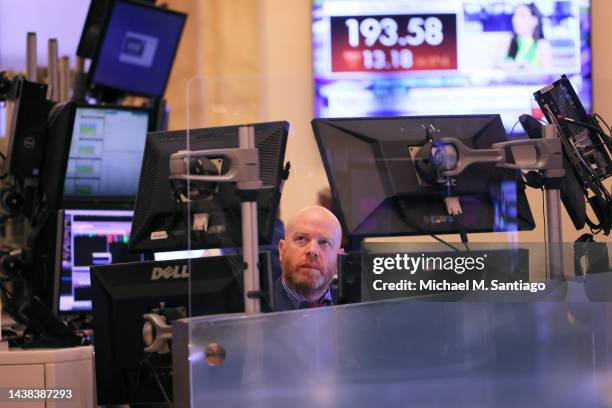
(411,57)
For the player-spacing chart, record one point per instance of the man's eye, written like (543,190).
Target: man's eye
(300,239)
(325,243)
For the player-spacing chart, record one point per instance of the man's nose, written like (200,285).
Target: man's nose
(313,248)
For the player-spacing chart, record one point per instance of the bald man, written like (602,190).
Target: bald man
(308,257)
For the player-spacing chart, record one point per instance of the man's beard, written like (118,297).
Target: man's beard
(307,282)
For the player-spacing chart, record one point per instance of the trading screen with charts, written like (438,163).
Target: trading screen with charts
(90,237)
(106,142)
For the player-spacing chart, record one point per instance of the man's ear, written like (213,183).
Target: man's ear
(281,249)
(341,251)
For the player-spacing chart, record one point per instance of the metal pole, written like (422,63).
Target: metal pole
(78,81)
(553,215)
(53,70)
(64,79)
(31,57)
(250,243)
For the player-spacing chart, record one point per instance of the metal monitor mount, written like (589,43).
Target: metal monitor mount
(450,157)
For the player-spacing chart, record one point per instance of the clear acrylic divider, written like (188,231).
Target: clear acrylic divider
(401,352)
(213,102)
(239,104)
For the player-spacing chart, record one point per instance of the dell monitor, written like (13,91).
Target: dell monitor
(137,49)
(123,293)
(87,238)
(161,215)
(384,153)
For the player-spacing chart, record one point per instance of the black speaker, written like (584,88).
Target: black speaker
(27,134)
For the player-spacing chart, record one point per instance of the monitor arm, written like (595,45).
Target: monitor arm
(244,171)
(244,166)
(443,159)
(450,157)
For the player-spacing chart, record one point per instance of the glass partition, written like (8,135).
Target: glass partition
(400,353)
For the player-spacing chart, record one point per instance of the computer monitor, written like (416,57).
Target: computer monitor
(106,153)
(160,220)
(122,294)
(371,166)
(104,145)
(88,238)
(138,47)
(94,156)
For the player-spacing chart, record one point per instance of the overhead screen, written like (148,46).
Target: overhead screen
(413,57)
(137,49)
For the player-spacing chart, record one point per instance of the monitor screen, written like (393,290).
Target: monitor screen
(413,57)
(106,152)
(138,48)
(160,220)
(385,155)
(86,238)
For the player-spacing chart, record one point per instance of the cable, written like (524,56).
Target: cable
(158,381)
(597,116)
(422,231)
(602,135)
(462,232)
(512,130)
(545,235)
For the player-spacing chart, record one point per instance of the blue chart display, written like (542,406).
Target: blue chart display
(106,152)
(413,58)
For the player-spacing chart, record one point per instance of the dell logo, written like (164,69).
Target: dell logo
(170,272)
(29,143)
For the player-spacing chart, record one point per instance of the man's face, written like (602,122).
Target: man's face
(309,251)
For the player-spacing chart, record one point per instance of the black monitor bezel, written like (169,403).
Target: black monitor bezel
(96,58)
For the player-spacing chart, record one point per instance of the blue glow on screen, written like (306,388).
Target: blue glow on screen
(138,49)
